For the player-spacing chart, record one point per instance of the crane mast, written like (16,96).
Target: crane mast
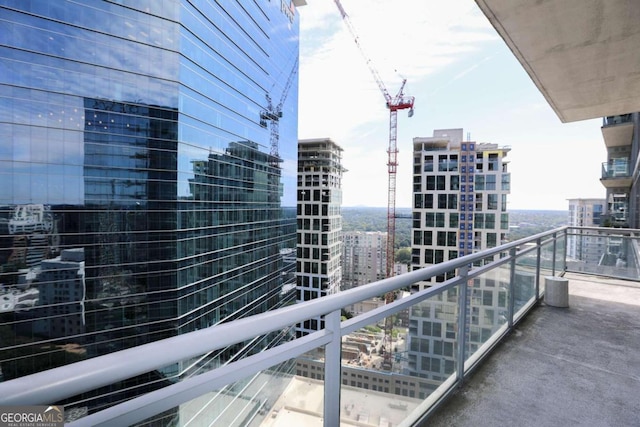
(394,103)
(273,115)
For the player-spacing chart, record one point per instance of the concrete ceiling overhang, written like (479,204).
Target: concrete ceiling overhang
(583,55)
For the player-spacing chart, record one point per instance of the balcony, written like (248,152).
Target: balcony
(616,174)
(530,360)
(617,131)
(561,366)
(617,120)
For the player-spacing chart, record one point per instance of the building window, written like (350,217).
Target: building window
(428,163)
(454,183)
(452,238)
(452,201)
(431,183)
(442,201)
(490,182)
(428,201)
(429,220)
(506,182)
(417,237)
(490,221)
(453,220)
(504,221)
(492,202)
(491,240)
(428,237)
(417,201)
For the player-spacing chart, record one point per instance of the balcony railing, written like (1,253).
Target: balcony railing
(618,168)
(616,120)
(485,295)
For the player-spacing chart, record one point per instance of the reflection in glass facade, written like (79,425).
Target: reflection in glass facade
(138,199)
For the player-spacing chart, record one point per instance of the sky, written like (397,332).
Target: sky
(462,75)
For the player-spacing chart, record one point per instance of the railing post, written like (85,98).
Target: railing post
(512,287)
(538,260)
(332,370)
(553,258)
(564,256)
(462,322)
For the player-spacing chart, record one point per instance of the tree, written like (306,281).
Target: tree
(403,256)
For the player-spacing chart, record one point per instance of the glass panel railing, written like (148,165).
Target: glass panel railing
(547,259)
(616,168)
(559,255)
(616,120)
(254,401)
(525,282)
(390,368)
(488,307)
(604,252)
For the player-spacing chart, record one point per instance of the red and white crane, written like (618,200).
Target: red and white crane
(394,103)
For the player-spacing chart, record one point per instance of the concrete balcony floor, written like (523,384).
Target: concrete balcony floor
(576,366)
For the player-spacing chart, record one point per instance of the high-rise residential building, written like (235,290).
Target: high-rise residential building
(587,246)
(620,172)
(586,212)
(140,193)
(364,257)
(319,248)
(460,193)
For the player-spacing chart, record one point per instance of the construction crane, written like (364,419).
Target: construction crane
(394,103)
(273,115)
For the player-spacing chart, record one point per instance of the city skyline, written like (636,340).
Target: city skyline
(462,75)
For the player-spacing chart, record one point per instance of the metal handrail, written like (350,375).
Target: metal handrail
(60,383)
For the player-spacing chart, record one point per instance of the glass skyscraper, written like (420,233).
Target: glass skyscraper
(140,197)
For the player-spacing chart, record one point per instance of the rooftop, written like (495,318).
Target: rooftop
(561,366)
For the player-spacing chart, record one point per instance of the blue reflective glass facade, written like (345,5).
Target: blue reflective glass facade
(138,195)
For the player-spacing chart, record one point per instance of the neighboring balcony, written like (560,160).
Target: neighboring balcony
(617,131)
(616,174)
(535,364)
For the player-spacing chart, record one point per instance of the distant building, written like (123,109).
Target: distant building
(587,246)
(369,379)
(460,193)
(586,212)
(319,219)
(364,257)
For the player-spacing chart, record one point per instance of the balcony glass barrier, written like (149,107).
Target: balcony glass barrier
(340,377)
(524,281)
(609,252)
(616,120)
(377,383)
(616,169)
(488,307)
(256,400)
